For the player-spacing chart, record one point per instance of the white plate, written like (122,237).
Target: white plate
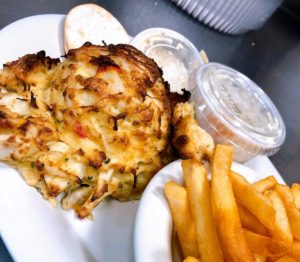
(153,224)
(30,227)
(33,230)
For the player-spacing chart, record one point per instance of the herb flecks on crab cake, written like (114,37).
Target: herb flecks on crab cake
(94,125)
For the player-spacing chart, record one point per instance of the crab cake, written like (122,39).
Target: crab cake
(93,125)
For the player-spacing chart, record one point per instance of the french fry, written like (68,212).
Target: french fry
(191,259)
(199,198)
(229,227)
(250,222)
(295,250)
(281,230)
(265,246)
(260,258)
(257,203)
(265,184)
(274,258)
(184,225)
(293,213)
(296,194)
(286,259)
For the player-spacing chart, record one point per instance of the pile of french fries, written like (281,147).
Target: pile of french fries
(229,219)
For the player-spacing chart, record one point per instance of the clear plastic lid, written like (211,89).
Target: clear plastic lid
(174,53)
(236,111)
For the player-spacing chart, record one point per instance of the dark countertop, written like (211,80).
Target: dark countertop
(269,56)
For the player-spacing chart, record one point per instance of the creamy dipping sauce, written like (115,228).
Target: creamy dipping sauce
(174,70)
(175,54)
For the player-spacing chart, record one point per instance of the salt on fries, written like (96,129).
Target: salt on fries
(229,219)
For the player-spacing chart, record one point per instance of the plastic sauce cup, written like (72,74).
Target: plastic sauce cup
(235,111)
(174,53)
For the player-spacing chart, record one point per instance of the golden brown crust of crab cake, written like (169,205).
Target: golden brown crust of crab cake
(31,64)
(94,125)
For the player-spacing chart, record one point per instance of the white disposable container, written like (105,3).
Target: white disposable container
(230,16)
(235,111)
